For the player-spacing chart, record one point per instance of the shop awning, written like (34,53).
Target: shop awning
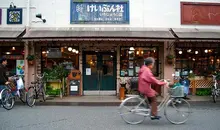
(100,33)
(11,33)
(197,34)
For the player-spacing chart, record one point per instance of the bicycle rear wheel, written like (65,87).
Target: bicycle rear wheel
(31,96)
(22,95)
(7,99)
(128,113)
(177,111)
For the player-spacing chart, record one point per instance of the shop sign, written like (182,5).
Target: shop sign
(99,12)
(14,16)
(0,16)
(200,13)
(13,57)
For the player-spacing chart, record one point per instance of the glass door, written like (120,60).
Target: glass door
(99,72)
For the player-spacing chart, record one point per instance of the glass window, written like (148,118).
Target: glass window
(57,55)
(15,59)
(201,61)
(132,58)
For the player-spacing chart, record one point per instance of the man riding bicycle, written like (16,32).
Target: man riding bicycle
(3,76)
(146,78)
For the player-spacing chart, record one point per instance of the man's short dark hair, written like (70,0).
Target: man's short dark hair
(2,60)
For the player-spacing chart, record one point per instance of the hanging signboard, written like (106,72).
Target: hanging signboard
(14,16)
(99,12)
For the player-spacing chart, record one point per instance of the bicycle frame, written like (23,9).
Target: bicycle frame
(160,106)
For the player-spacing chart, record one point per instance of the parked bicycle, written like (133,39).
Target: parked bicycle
(35,91)
(9,94)
(215,89)
(134,109)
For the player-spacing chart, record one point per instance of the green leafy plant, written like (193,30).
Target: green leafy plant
(170,56)
(30,57)
(191,75)
(57,73)
(203,92)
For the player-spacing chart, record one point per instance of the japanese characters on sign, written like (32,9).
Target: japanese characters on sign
(14,16)
(100,12)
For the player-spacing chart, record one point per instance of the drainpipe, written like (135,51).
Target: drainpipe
(28,14)
(26,48)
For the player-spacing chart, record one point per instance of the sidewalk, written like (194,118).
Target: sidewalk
(101,100)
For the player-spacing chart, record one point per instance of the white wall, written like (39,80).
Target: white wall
(57,14)
(4,4)
(143,13)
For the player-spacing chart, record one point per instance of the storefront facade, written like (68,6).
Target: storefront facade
(106,41)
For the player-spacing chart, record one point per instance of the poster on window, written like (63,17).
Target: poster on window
(131,65)
(19,67)
(14,16)
(130,72)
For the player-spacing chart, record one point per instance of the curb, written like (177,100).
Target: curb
(200,103)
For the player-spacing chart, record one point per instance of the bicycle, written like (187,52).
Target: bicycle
(140,107)
(10,92)
(215,89)
(35,90)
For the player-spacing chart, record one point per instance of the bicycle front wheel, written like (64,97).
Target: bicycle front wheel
(31,97)
(128,111)
(22,95)
(214,94)
(43,94)
(177,111)
(7,99)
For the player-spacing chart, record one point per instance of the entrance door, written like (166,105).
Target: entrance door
(99,73)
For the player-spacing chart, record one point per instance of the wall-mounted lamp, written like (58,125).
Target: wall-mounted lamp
(40,17)
(12,5)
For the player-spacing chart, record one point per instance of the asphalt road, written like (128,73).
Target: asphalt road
(205,116)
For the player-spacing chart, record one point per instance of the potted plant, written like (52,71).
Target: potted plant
(170,58)
(30,59)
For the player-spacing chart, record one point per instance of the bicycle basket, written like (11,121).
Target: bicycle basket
(177,91)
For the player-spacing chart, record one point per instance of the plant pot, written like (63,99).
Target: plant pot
(123,85)
(30,62)
(170,61)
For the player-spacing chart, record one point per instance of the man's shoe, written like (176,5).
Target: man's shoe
(155,117)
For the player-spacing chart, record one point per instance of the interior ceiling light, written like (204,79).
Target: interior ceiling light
(8,53)
(77,51)
(131,49)
(189,50)
(70,48)
(13,48)
(196,52)
(74,50)
(206,51)
(180,52)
